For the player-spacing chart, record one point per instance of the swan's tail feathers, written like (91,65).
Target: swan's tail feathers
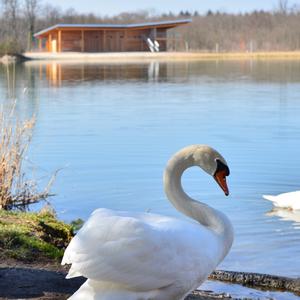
(270,198)
(84,292)
(72,273)
(66,260)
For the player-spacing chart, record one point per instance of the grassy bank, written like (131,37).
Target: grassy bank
(32,237)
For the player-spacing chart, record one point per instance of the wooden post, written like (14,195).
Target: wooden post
(124,45)
(104,40)
(59,41)
(40,44)
(50,43)
(82,40)
(99,41)
(153,34)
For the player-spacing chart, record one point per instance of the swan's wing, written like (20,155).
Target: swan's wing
(144,252)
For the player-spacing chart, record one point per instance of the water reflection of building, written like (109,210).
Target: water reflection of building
(58,73)
(69,72)
(53,73)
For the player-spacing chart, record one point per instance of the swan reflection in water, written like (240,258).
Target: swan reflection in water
(286,215)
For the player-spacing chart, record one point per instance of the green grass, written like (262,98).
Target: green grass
(32,236)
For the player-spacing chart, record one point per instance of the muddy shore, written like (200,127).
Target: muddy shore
(30,283)
(22,281)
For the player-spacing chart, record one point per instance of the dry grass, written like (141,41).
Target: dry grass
(16,191)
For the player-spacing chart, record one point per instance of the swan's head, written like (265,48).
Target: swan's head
(212,162)
(207,158)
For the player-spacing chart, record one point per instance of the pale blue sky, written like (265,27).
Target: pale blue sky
(112,7)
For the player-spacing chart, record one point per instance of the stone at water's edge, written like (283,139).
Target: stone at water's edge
(8,59)
(257,280)
(207,295)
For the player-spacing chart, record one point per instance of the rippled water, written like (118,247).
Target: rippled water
(112,127)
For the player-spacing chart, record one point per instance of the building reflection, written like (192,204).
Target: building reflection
(63,73)
(53,73)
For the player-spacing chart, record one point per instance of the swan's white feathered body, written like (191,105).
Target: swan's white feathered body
(143,256)
(148,256)
(289,200)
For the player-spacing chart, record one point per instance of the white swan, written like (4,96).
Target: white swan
(143,256)
(289,200)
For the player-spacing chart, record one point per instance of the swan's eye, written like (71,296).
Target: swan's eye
(221,167)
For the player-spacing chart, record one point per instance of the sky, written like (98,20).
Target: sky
(114,7)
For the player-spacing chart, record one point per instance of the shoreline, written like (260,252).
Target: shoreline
(47,281)
(159,56)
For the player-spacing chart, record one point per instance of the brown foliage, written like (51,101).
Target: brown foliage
(15,190)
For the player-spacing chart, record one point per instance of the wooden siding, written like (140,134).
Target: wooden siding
(161,37)
(112,40)
(71,41)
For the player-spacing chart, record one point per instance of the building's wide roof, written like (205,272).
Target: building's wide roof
(164,24)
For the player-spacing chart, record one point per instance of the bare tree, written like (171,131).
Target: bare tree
(283,6)
(31,9)
(51,15)
(10,14)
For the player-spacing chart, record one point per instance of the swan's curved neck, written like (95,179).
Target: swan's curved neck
(202,213)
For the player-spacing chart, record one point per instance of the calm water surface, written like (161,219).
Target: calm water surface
(112,128)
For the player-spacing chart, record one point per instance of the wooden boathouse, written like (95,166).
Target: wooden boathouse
(106,37)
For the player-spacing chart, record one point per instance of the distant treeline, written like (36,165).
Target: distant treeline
(214,31)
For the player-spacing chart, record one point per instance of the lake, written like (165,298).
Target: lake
(111,128)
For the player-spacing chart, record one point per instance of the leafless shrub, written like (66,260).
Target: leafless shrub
(16,191)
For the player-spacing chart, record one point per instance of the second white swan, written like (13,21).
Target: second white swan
(290,200)
(143,256)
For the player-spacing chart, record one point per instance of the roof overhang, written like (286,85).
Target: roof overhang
(160,24)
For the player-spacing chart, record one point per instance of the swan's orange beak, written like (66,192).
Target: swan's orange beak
(220,178)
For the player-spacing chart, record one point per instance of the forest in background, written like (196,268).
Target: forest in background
(214,31)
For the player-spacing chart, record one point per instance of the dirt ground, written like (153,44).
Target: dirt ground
(47,281)
(41,281)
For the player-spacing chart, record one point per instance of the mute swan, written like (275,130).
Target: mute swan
(289,200)
(143,256)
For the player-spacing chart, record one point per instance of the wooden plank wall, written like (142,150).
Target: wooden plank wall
(71,40)
(103,40)
(161,35)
